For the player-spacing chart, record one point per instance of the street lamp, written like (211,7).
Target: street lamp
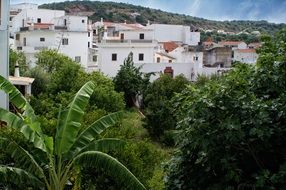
(4,47)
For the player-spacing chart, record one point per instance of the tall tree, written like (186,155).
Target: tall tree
(131,81)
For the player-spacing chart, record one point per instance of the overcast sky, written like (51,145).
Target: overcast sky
(270,10)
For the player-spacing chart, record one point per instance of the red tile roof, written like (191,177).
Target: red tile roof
(169,46)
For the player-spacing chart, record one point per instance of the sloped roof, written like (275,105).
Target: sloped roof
(165,55)
(170,46)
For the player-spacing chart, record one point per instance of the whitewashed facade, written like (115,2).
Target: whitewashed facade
(37,29)
(248,56)
(176,33)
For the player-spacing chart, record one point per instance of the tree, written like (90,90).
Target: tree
(14,57)
(232,130)
(158,109)
(131,81)
(49,163)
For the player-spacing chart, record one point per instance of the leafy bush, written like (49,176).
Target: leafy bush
(140,155)
(233,129)
(158,108)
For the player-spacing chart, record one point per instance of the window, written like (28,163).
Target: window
(42,39)
(77,59)
(141,56)
(170,60)
(88,34)
(39,20)
(141,36)
(94,58)
(82,21)
(158,59)
(88,44)
(24,41)
(114,57)
(196,58)
(18,37)
(65,41)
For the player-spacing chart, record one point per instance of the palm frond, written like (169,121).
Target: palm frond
(112,166)
(70,118)
(22,157)
(102,145)
(19,176)
(31,133)
(89,134)
(16,98)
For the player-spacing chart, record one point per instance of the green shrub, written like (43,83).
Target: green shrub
(232,130)
(158,108)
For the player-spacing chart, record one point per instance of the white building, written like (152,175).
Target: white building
(37,29)
(115,41)
(248,56)
(176,33)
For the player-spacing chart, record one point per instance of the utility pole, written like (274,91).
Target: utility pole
(4,47)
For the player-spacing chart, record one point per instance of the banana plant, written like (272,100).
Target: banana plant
(49,165)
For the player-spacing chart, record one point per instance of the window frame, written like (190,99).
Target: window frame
(114,57)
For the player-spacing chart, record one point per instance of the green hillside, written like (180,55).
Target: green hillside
(120,12)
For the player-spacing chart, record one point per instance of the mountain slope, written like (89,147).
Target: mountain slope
(120,12)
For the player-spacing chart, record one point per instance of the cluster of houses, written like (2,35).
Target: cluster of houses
(103,46)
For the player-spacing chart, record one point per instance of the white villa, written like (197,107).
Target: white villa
(35,29)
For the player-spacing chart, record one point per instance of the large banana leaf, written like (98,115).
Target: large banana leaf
(69,119)
(17,99)
(89,134)
(23,158)
(102,145)
(114,168)
(17,123)
(19,176)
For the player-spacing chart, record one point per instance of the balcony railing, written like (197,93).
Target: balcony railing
(127,41)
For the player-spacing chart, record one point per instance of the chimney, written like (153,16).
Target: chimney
(148,23)
(17,71)
(125,22)
(101,20)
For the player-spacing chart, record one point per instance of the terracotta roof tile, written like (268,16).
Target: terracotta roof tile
(170,46)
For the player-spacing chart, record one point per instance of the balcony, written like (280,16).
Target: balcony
(127,41)
(61,27)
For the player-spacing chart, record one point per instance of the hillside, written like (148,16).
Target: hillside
(120,12)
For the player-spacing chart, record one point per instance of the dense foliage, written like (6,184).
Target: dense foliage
(120,12)
(17,57)
(131,81)
(159,118)
(217,37)
(57,78)
(140,155)
(232,130)
(49,162)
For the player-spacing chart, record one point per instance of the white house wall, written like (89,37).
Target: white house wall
(249,58)
(134,34)
(165,32)
(158,68)
(110,68)
(77,46)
